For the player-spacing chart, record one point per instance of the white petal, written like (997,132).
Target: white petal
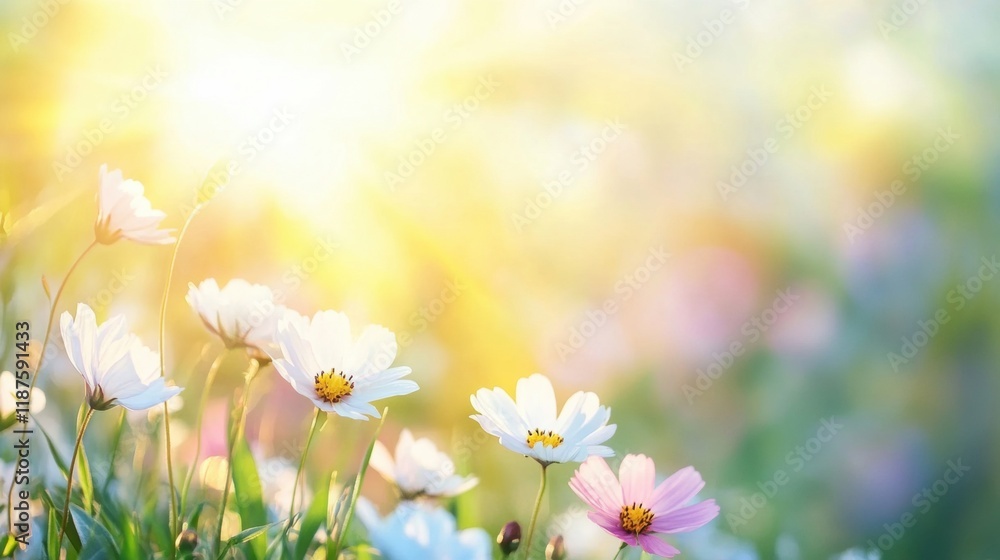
(371,353)
(329,337)
(536,400)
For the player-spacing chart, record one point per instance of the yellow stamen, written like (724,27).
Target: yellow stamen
(548,438)
(635,518)
(333,387)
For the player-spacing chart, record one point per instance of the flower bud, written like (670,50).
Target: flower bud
(556,549)
(509,538)
(187,541)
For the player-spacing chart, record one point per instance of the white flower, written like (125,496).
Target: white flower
(338,373)
(419,532)
(123,211)
(174,404)
(419,469)
(530,426)
(115,365)
(241,314)
(9,399)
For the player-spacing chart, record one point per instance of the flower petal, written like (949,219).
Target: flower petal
(536,399)
(656,547)
(676,490)
(686,518)
(637,474)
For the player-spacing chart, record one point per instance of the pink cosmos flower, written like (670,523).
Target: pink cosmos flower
(636,510)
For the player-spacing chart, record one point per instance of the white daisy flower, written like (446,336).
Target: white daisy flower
(242,314)
(420,532)
(531,427)
(123,211)
(419,469)
(115,365)
(322,361)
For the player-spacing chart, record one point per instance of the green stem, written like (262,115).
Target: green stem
(163,373)
(54,308)
(302,464)
(620,549)
(534,514)
(359,481)
(209,380)
(72,468)
(41,358)
(114,451)
(235,433)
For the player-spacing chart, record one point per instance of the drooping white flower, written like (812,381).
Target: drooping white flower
(531,427)
(115,365)
(123,211)
(419,469)
(421,532)
(242,314)
(9,399)
(321,360)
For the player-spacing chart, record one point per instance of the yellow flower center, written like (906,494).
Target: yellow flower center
(332,387)
(548,438)
(635,518)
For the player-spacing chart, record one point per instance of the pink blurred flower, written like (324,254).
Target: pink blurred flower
(635,509)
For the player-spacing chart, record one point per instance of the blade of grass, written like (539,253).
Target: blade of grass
(249,495)
(315,516)
(359,481)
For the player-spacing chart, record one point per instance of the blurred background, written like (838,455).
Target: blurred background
(764,232)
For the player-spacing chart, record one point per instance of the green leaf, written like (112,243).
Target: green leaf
(315,516)
(7,546)
(365,552)
(333,521)
(84,480)
(358,483)
(52,535)
(55,452)
(129,540)
(96,542)
(192,522)
(71,533)
(246,535)
(249,495)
